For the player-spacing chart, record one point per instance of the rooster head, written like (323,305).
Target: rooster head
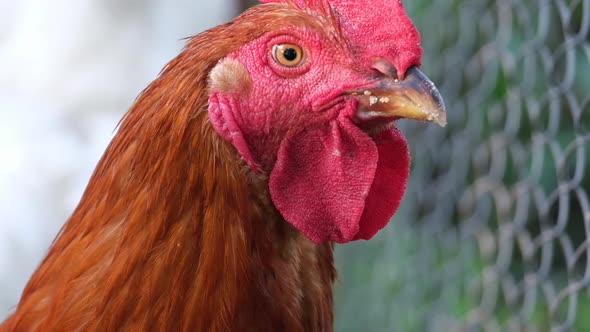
(312,103)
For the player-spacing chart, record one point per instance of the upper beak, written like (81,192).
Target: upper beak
(414,97)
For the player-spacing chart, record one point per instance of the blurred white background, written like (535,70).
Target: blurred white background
(69,69)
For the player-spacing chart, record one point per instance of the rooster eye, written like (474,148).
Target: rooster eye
(288,55)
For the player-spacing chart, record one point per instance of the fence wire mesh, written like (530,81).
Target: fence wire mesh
(493,233)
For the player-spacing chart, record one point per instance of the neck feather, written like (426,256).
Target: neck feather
(173,232)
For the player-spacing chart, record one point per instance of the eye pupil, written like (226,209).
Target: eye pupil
(290,54)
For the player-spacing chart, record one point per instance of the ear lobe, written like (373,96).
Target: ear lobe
(229,76)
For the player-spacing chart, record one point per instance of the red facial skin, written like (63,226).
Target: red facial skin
(327,177)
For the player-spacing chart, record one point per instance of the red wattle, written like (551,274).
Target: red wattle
(389,185)
(335,183)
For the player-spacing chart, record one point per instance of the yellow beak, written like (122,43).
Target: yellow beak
(414,97)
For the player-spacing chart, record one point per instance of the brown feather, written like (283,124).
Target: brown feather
(173,233)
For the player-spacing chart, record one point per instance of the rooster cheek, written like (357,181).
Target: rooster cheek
(254,134)
(222,113)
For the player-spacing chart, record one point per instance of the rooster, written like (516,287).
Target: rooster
(217,204)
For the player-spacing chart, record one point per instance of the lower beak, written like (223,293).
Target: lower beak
(414,97)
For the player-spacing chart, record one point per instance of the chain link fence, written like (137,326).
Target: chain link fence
(494,231)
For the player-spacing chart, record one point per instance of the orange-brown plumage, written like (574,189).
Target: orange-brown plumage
(215,206)
(173,233)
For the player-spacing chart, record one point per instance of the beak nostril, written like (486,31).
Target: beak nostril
(385,67)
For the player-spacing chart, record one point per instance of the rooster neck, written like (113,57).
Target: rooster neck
(173,234)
